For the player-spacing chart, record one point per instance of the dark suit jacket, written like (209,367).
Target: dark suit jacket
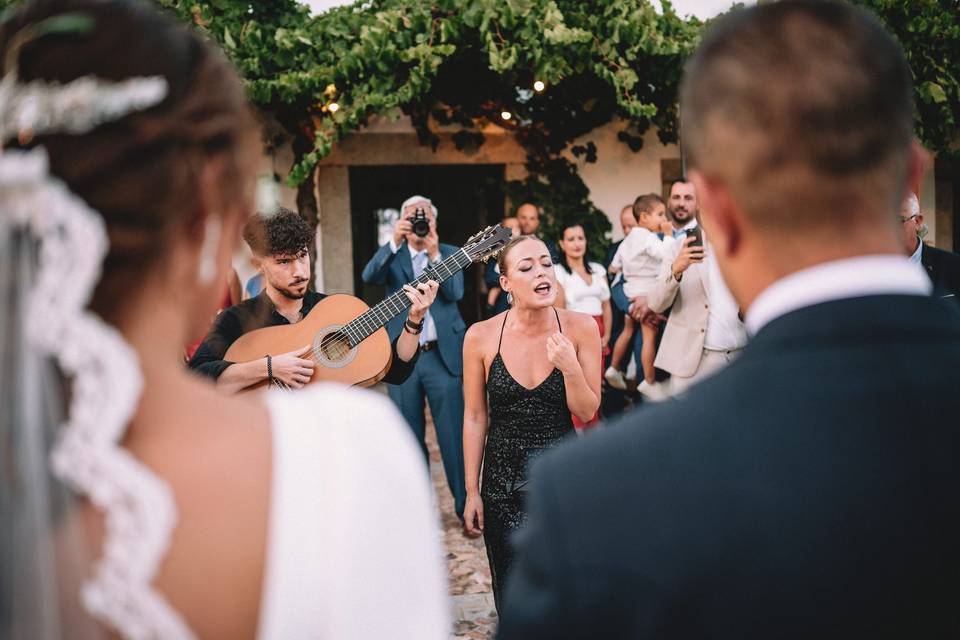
(492,279)
(943,267)
(810,490)
(395,270)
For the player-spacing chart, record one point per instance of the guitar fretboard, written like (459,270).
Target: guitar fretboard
(396,303)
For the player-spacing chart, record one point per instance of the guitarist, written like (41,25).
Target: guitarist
(438,376)
(279,244)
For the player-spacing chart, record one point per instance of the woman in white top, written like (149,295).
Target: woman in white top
(272,516)
(583,287)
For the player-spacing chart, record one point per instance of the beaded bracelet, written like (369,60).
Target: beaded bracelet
(269,368)
(410,327)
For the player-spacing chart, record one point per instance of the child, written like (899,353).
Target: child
(639,257)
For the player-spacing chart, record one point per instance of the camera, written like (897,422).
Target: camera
(420,224)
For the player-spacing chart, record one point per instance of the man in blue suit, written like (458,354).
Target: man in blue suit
(438,375)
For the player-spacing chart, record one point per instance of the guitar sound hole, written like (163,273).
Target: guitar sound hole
(335,347)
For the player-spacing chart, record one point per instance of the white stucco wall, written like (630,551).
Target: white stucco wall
(615,180)
(619,175)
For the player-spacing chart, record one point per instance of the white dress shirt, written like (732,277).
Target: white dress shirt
(639,257)
(420,261)
(725,331)
(681,233)
(583,297)
(918,253)
(886,274)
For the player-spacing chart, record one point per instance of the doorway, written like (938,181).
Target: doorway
(467,197)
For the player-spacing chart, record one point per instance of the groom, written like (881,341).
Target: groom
(805,491)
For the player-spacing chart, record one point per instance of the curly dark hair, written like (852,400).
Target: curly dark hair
(282,233)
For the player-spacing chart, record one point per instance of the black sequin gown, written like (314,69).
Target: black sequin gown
(523,423)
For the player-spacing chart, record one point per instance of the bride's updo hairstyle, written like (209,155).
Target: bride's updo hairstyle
(142,173)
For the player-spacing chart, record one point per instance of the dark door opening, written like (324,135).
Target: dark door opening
(468,198)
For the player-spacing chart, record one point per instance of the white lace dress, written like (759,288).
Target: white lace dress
(354,546)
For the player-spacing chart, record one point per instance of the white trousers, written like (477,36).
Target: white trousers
(711,361)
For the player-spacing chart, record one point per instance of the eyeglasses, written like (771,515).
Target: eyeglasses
(907,218)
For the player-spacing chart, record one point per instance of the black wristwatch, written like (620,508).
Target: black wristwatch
(410,327)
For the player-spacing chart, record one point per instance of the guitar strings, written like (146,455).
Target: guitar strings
(364,325)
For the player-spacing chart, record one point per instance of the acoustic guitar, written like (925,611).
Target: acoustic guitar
(349,343)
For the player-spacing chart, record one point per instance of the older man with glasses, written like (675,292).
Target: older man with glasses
(943,267)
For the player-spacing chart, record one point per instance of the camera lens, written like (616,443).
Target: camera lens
(420,224)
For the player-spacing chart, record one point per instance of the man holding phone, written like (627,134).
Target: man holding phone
(704,331)
(683,208)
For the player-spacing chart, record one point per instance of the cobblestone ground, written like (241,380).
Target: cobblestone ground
(474,615)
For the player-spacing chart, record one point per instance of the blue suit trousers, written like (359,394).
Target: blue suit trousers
(444,393)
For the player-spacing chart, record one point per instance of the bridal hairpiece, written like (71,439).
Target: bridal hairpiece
(139,510)
(76,107)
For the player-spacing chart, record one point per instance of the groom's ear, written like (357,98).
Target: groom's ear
(719,215)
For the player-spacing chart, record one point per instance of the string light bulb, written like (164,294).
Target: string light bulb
(539,86)
(506,115)
(334,107)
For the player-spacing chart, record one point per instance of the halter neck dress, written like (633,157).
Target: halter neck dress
(523,423)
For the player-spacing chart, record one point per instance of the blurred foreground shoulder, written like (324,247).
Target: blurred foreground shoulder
(353,510)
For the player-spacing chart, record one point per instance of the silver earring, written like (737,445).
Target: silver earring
(207,269)
(510,299)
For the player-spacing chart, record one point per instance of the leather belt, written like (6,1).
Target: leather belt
(428,346)
(724,351)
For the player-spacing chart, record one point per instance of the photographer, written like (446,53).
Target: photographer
(438,375)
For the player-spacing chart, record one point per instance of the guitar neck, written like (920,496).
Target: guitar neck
(371,320)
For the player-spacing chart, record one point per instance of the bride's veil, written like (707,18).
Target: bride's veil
(68,385)
(42,542)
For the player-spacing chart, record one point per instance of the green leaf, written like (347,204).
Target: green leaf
(934,91)
(521,7)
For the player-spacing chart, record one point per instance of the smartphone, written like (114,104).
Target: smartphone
(697,234)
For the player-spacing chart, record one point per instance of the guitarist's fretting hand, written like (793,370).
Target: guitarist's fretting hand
(421,298)
(291,369)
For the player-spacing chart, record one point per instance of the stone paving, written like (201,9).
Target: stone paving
(474,615)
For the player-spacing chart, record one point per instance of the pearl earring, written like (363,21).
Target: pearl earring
(207,269)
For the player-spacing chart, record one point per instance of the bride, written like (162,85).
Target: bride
(126,172)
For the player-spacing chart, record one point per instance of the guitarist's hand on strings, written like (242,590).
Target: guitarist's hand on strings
(421,298)
(291,369)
